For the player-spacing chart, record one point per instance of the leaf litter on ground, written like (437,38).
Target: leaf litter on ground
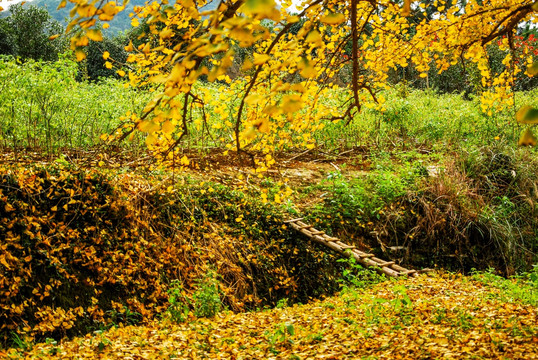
(429,317)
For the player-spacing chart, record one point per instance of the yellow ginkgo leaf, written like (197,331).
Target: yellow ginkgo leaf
(243,35)
(307,69)
(186,3)
(291,103)
(129,47)
(314,37)
(166,33)
(260,59)
(79,41)
(298,87)
(146,48)
(533,69)
(80,54)
(333,19)
(527,138)
(262,9)
(253,99)
(527,115)
(168,127)
(94,34)
(249,133)
(271,110)
(293,19)
(247,65)
(263,125)
(151,139)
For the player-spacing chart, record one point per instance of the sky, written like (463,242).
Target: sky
(3,3)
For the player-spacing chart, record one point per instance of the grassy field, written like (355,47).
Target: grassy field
(43,108)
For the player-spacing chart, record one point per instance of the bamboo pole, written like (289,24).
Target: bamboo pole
(389,268)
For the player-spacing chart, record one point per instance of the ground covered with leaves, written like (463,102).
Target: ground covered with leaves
(89,249)
(435,316)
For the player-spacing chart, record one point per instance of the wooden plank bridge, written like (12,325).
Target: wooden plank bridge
(390,268)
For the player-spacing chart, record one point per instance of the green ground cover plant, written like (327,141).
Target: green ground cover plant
(521,288)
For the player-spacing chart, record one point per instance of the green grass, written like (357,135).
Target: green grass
(518,289)
(43,107)
(426,119)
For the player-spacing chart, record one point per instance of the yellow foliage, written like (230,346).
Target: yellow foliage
(183,46)
(333,19)
(353,325)
(291,103)
(527,138)
(262,9)
(80,54)
(94,34)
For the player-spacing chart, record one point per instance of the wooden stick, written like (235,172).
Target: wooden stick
(292,221)
(389,268)
(386,263)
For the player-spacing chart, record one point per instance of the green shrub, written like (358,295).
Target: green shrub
(206,298)
(179,308)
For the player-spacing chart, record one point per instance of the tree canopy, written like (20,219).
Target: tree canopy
(283,85)
(26,33)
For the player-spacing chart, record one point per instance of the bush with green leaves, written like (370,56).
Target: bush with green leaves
(207,297)
(356,276)
(179,308)
(93,67)
(205,301)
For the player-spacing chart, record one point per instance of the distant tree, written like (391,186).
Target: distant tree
(6,48)
(94,62)
(26,33)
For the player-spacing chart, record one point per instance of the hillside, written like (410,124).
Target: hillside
(121,23)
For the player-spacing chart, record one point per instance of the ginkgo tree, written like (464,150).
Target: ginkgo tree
(286,81)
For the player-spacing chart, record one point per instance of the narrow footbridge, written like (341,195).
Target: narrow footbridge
(390,268)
